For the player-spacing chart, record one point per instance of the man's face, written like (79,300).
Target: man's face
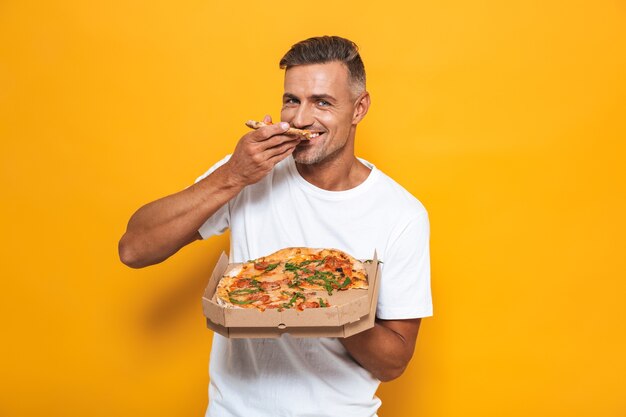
(318,98)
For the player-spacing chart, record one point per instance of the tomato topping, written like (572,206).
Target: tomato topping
(263,298)
(331,262)
(311,304)
(269,285)
(335,264)
(242,283)
(261,265)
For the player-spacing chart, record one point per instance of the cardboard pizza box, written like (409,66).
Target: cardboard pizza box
(351,311)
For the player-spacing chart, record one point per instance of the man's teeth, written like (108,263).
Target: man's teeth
(314,135)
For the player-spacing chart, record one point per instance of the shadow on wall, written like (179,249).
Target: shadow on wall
(168,309)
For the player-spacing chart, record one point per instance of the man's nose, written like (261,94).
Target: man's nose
(303,117)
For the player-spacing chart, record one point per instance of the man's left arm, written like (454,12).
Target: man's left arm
(386,349)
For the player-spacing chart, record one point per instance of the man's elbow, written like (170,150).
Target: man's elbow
(390,374)
(128,254)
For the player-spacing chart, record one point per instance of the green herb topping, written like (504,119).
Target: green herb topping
(244,291)
(271,267)
(235,301)
(294,298)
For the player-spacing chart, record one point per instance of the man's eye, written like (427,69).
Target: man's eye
(323,103)
(291,101)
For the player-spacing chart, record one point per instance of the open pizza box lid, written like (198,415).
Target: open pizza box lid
(350,312)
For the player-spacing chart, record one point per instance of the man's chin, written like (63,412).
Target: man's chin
(306,159)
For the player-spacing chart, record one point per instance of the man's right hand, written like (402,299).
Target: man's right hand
(159,229)
(259,151)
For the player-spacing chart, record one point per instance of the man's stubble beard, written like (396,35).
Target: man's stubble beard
(305,159)
(318,155)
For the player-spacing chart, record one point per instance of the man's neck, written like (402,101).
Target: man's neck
(335,174)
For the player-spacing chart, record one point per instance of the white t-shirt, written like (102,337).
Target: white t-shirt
(316,377)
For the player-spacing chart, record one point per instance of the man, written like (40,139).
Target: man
(277,191)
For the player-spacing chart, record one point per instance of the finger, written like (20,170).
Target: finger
(267,119)
(266,132)
(281,155)
(277,140)
(279,149)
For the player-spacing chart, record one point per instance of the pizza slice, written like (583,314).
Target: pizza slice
(306,134)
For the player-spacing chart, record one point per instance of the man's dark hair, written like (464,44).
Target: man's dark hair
(324,49)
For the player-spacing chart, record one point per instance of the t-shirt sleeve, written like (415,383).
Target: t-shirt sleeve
(405,285)
(220,221)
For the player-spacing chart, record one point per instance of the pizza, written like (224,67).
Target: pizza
(291,278)
(307,134)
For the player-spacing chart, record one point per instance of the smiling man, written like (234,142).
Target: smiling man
(278,190)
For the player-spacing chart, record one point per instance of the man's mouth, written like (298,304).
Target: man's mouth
(316,135)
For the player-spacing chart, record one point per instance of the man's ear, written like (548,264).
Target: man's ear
(362,105)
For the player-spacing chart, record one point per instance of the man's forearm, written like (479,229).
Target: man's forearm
(159,229)
(385,349)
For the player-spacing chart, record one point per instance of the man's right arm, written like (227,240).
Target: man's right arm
(159,229)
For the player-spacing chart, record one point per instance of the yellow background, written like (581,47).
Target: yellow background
(505,118)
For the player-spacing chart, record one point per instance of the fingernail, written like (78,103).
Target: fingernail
(284,125)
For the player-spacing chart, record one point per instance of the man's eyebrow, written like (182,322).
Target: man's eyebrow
(312,97)
(323,97)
